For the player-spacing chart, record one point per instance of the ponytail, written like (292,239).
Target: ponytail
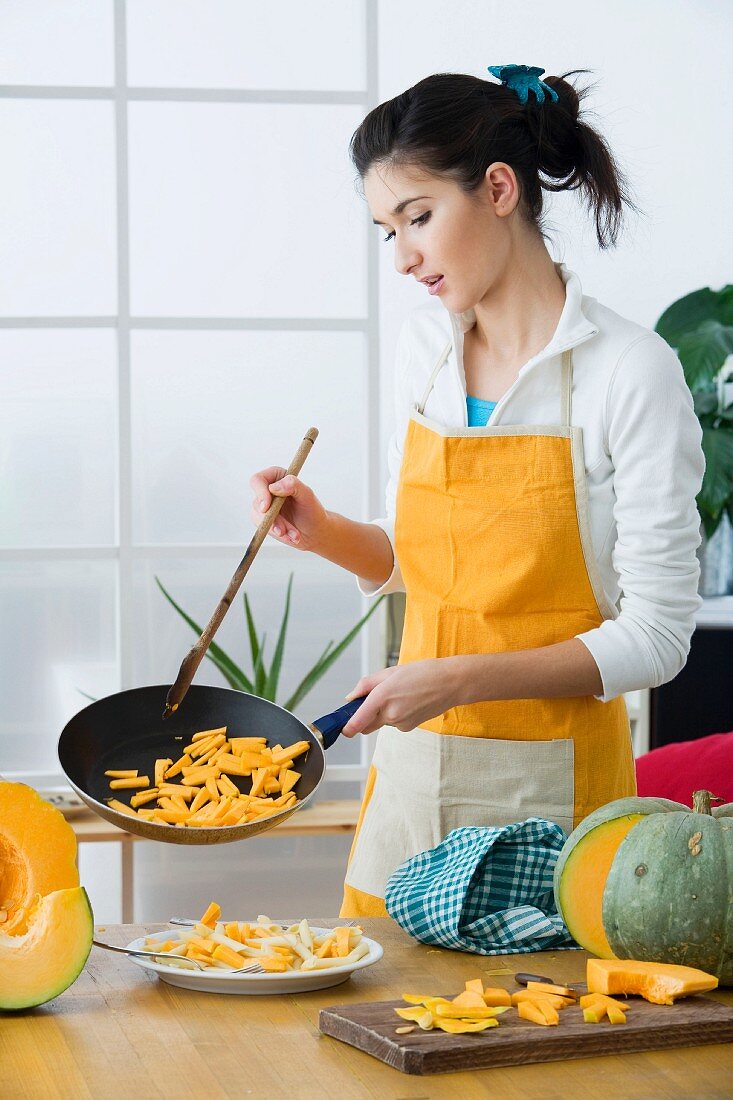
(456,125)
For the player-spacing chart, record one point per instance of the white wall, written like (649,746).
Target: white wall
(664,101)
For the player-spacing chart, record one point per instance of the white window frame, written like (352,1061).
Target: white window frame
(373,644)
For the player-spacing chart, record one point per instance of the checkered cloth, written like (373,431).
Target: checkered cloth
(484,890)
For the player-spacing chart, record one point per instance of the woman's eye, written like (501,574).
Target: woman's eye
(416,221)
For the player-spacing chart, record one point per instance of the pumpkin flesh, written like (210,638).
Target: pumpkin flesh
(37,854)
(583,881)
(41,963)
(660,983)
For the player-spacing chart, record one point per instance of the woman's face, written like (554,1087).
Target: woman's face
(465,239)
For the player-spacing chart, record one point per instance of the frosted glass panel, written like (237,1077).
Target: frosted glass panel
(57,196)
(229,44)
(245,210)
(325,605)
(56,42)
(62,619)
(58,437)
(209,409)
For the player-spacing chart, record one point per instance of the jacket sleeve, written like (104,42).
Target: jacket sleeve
(654,439)
(402,399)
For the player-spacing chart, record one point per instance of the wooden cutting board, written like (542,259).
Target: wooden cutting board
(370,1027)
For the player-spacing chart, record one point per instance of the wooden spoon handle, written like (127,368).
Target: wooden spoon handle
(196,654)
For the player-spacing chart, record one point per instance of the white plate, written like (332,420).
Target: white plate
(220,981)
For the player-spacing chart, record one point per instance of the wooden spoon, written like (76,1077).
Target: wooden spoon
(196,654)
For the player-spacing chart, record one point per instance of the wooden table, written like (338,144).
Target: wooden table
(325,818)
(121,1033)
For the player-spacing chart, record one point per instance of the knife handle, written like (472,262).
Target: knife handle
(523,979)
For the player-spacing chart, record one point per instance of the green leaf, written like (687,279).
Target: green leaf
(705,401)
(702,352)
(304,686)
(254,644)
(691,311)
(229,670)
(260,670)
(717,483)
(710,523)
(325,662)
(277,657)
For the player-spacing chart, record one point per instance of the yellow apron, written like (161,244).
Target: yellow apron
(493,540)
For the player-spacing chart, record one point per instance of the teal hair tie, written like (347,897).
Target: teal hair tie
(524,79)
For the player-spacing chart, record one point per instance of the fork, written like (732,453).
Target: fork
(146,954)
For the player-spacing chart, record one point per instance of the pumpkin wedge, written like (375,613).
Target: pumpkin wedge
(37,854)
(42,962)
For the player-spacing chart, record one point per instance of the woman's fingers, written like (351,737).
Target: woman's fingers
(288,486)
(260,485)
(281,527)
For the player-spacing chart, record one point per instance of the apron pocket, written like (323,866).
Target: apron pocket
(489,781)
(428,784)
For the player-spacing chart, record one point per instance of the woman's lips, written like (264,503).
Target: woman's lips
(435,288)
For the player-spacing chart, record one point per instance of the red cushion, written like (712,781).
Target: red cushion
(675,771)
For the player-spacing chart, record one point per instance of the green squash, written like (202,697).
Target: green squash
(651,879)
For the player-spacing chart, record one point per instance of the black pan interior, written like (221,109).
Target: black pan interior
(127,730)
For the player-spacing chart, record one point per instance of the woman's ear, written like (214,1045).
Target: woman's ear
(502,188)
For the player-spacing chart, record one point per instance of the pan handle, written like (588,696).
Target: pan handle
(329,727)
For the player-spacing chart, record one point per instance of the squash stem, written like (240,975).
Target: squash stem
(701,802)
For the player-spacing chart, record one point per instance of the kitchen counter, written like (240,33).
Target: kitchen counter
(120,1032)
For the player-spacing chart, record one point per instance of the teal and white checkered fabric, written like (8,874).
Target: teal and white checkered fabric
(484,890)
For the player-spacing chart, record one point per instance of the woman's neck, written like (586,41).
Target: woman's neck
(518,317)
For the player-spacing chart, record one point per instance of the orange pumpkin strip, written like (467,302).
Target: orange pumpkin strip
(129,784)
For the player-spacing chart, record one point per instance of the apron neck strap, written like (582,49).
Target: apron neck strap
(566,389)
(566,384)
(434,374)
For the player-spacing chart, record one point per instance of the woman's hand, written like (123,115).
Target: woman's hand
(403,695)
(302,518)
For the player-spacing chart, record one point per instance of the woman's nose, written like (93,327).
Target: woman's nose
(405,260)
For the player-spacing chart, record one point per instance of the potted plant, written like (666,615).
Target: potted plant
(265,676)
(700,329)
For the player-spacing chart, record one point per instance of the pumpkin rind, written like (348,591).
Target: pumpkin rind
(669,893)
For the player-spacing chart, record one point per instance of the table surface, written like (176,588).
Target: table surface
(120,1032)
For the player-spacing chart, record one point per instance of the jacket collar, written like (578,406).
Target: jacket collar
(573,328)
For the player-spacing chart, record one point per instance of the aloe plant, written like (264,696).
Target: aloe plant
(265,678)
(700,329)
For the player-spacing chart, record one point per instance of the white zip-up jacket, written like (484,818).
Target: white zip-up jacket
(643,459)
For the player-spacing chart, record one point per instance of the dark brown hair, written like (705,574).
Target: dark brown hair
(456,125)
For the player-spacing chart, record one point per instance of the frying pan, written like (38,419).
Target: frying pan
(127,730)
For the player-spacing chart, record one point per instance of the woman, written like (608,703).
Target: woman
(548,556)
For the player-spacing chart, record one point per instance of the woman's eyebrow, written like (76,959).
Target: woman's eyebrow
(401,206)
